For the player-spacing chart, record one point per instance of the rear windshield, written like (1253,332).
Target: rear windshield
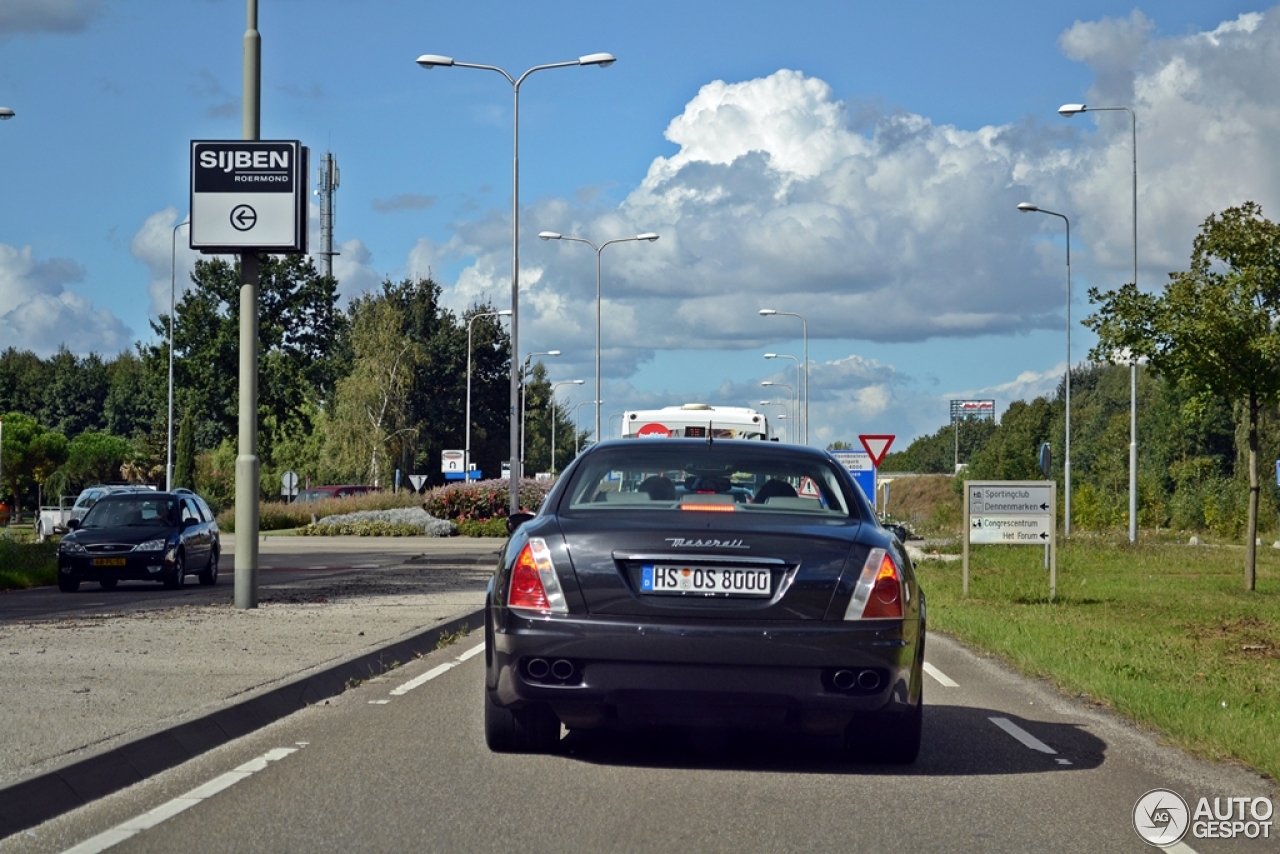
(712,478)
(132,511)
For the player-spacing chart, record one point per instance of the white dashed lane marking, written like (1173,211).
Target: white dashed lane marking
(146,821)
(1027,738)
(941,678)
(418,681)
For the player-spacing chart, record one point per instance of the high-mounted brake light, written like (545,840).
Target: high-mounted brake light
(878,593)
(710,508)
(534,583)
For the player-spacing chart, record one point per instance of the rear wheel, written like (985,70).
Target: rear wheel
(68,583)
(178,575)
(209,575)
(893,742)
(531,729)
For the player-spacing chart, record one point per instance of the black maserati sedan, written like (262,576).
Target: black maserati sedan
(141,536)
(627,603)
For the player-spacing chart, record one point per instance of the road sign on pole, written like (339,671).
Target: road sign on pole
(1012,513)
(858,464)
(452,462)
(877,445)
(417,480)
(248,195)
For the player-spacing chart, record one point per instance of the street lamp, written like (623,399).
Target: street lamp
(1027,207)
(577,428)
(173,266)
(429,61)
(554,386)
(524,369)
(781,403)
(6,113)
(649,237)
(1071,110)
(802,436)
(466,454)
(797,361)
(790,391)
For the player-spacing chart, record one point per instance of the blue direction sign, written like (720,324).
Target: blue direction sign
(862,468)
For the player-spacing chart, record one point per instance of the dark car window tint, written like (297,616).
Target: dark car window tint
(130,512)
(667,477)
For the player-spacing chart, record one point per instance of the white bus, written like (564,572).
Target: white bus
(696,421)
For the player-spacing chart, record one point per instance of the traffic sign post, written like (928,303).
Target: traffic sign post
(1012,513)
(248,196)
(860,465)
(289,484)
(877,445)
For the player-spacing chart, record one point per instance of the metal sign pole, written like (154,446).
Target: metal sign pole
(247,462)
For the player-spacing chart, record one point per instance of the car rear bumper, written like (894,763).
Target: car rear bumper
(812,676)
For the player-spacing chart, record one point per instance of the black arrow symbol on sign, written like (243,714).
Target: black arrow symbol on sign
(243,217)
(1044,506)
(1044,536)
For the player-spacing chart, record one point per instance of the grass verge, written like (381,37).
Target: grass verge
(27,564)
(1164,634)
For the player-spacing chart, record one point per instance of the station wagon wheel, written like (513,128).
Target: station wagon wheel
(178,575)
(209,575)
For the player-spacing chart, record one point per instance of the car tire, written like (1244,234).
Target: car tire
(178,575)
(209,575)
(895,742)
(531,729)
(68,583)
(109,583)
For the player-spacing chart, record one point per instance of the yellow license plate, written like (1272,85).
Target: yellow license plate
(108,561)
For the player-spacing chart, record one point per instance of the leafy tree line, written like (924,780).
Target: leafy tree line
(345,396)
(1208,387)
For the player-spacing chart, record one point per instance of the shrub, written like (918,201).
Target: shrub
(495,527)
(276,516)
(485,499)
(362,529)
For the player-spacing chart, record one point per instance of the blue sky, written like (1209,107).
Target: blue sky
(856,163)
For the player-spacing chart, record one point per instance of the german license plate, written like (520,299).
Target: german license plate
(108,561)
(729,581)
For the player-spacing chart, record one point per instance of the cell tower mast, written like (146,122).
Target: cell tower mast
(327,182)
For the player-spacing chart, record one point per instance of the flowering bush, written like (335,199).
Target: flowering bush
(362,529)
(482,500)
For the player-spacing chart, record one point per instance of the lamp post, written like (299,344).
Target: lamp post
(524,369)
(803,431)
(796,408)
(173,266)
(466,454)
(577,428)
(1071,110)
(6,113)
(1027,207)
(781,403)
(790,391)
(429,61)
(554,386)
(649,237)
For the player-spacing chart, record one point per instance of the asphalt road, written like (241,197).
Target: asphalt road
(399,764)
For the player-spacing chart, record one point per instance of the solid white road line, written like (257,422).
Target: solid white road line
(165,811)
(941,678)
(418,681)
(1026,738)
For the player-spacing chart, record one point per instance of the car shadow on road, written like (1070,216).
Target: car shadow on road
(957,741)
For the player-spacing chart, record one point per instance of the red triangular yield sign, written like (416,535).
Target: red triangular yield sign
(877,446)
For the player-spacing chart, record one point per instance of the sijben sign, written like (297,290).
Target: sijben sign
(248,195)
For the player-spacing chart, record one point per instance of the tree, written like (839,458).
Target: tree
(31,456)
(184,461)
(1215,328)
(1012,451)
(94,457)
(23,381)
(133,399)
(76,392)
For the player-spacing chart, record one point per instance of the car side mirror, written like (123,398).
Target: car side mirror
(72,524)
(901,532)
(515,520)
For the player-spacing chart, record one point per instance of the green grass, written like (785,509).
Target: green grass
(1163,633)
(26,564)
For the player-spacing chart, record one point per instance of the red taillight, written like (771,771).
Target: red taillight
(534,583)
(709,508)
(526,586)
(886,592)
(879,591)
